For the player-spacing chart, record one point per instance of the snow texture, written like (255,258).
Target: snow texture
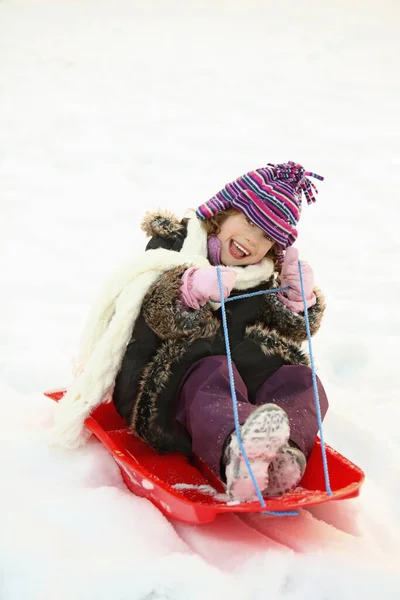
(109,108)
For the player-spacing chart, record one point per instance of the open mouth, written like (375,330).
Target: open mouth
(237,250)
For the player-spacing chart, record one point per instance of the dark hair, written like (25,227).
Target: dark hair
(213,227)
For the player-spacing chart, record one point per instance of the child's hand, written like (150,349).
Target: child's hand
(290,276)
(200,284)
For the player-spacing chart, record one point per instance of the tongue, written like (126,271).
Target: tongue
(236,252)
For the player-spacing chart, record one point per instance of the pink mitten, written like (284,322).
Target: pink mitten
(200,284)
(290,276)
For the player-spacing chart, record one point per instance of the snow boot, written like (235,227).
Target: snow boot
(264,434)
(285,471)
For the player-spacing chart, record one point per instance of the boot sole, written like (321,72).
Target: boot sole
(263,435)
(285,473)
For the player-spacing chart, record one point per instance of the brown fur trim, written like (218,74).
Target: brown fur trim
(289,324)
(161,223)
(271,343)
(168,317)
(316,312)
(147,421)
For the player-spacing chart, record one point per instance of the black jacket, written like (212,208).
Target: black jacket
(168,338)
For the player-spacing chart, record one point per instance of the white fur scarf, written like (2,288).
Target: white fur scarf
(110,324)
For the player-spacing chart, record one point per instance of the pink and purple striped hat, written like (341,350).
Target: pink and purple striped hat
(270,197)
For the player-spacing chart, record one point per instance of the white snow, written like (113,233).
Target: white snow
(112,107)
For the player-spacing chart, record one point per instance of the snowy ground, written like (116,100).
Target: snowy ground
(108,108)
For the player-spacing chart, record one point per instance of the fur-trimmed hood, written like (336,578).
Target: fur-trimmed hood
(161,223)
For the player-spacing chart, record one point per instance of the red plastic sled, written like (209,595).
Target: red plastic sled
(193,494)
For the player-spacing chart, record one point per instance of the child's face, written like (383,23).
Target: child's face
(236,231)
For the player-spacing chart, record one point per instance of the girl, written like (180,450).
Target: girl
(155,343)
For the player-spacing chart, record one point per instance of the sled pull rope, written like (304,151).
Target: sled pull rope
(315,386)
(233,390)
(234,404)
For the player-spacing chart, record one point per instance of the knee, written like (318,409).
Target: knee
(323,398)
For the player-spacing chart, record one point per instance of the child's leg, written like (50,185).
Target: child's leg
(291,388)
(205,408)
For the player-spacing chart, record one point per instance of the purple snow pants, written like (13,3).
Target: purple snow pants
(205,405)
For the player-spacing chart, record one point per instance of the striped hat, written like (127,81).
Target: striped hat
(270,197)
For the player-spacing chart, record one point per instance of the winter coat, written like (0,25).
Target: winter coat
(168,338)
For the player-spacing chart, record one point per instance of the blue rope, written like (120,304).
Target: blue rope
(234,404)
(257,293)
(233,390)
(315,386)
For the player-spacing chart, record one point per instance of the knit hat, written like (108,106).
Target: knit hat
(270,197)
